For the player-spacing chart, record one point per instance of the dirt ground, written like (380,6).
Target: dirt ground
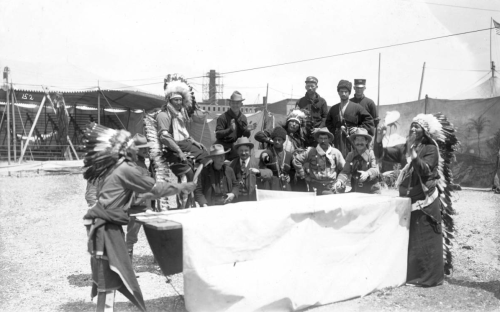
(45,267)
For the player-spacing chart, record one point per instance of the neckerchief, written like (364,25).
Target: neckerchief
(179,120)
(328,154)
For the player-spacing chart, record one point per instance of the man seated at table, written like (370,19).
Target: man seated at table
(217,183)
(320,165)
(361,165)
(247,171)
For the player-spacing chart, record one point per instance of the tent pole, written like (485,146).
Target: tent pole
(378,96)
(421,82)
(425,104)
(32,129)
(14,137)
(7,108)
(98,107)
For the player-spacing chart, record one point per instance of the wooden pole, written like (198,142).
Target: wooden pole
(32,129)
(378,92)
(491,28)
(14,137)
(425,104)
(8,125)
(72,147)
(98,107)
(421,82)
(7,108)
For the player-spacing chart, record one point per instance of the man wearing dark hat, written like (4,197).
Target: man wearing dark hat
(315,108)
(320,165)
(231,125)
(360,165)
(360,98)
(217,183)
(139,204)
(278,160)
(247,171)
(344,117)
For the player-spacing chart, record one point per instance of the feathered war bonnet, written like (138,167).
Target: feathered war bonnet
(175,86)
(104,147)
(442,133)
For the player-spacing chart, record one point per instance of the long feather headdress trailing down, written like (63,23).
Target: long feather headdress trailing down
(442,133)
(104,147)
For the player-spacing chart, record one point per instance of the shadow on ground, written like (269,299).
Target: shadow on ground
(146,264)
(80,280)
(174,304)
(491,286)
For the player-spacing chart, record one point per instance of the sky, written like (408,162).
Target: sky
(137,43)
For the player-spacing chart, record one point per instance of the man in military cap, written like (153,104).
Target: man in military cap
(345,117)
(360,98)
(315,108)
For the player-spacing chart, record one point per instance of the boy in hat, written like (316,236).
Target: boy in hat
(323,163)
(360,165)
(247,171)
(360,98)
(231,125)
(217,183)
(315,108)
(344,117)
(278,160)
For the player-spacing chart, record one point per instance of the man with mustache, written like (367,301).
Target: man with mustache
(320,165)
(344,117)
(360,165)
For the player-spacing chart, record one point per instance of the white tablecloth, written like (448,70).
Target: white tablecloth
(289,254)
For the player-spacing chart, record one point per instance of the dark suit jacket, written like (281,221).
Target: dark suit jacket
(206,184)
(250,180)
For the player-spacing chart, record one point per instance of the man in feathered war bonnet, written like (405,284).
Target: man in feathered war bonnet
(231,125)
(427,180)
(295,142)
(345,117)
(315,109)
(109,164)
(320,165)
(278,160)
(360,165)
(173,132)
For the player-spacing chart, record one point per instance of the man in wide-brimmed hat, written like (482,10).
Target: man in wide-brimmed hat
(247,171)
(344,117)
(323,163)
(232,124)
(315,108)
(360,165)
(217,183)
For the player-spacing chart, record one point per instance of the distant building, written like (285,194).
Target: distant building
(282,107)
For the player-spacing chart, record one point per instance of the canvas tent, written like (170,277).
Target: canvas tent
(476,122)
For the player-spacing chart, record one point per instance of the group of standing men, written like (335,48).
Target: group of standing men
(316,149)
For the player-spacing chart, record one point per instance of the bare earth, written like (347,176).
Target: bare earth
(44,265)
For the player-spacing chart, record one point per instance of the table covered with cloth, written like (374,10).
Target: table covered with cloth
(292,253)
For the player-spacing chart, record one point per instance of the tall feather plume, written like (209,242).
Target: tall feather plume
(442,132)
(160,165)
